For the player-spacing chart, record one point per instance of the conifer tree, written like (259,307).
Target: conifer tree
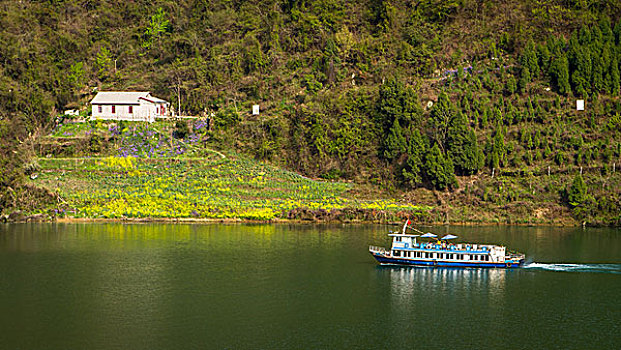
(441,116)
(439,169)
(395,143)
(525,78)
(598,71)
(413,169)
(497,155)
(511,86)
(559,72)
(529,59)
(543,54)
(463,148)
(396,102)
(577,191)
(615,80)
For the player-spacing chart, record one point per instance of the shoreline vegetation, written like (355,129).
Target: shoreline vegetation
(176,180)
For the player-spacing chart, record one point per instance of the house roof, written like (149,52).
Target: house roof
(154,99)
(124,97)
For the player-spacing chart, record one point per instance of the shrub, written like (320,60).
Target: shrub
(181,129)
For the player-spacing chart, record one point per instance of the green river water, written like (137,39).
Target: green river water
(174,286)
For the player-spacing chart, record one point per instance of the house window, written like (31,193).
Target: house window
(99,109)
(131,109)
(163,110)
(113,109)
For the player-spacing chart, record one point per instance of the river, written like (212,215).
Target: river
(238,286)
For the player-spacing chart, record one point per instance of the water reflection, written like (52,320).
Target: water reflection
(424,283)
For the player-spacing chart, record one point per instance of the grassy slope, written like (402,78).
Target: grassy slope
(218,186)
(213,187)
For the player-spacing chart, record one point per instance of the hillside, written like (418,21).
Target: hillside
(464,106)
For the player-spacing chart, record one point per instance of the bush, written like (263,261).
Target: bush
(181,129)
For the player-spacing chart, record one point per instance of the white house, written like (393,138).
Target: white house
(128,105)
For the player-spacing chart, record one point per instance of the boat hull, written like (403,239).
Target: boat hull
(385,260)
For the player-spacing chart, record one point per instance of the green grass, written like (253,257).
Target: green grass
(231,188)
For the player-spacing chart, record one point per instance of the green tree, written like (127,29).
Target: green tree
(577,192)
(497,150)
(76,75)
(397,102)
(158,25)
(442,114)
(559,72)
(256,61)
(395,143)
(529,59)
(511,86)
(413,169)
(615,80)
(525,78)
(439,169)
(463,148)
(103,62)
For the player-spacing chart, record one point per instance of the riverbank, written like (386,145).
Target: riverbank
(139,174)
(74,220)
(207,189)
(237,189)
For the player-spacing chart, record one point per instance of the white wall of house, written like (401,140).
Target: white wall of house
(128,105)
(117,112)
(144,111)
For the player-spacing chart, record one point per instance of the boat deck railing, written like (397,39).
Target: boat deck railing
(466,248)
(379,250)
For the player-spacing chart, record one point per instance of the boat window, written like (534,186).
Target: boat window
(398,239)
(396,253)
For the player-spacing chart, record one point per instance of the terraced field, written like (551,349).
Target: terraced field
(210,187)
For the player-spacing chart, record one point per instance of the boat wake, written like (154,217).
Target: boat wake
(597,268)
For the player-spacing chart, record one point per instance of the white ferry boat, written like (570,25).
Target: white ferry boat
(406,250)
